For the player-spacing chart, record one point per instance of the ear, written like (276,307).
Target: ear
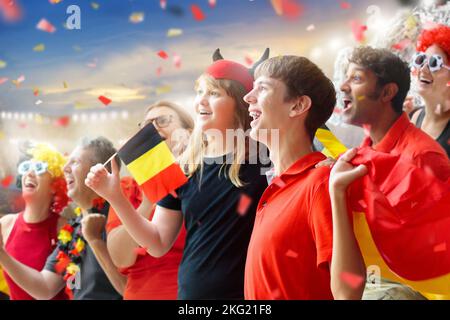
(389,92)
(301,106)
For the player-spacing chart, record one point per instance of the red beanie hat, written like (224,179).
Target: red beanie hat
(226,69)
(230,70)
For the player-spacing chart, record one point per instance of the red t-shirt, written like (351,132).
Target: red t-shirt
(149,278)
(290,248)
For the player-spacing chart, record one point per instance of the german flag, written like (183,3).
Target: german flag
(151,164)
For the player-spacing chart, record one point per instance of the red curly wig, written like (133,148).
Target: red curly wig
(439,36)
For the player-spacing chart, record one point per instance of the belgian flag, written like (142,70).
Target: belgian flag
(150,162)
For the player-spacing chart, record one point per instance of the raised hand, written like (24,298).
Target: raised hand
(344,173)
(105,184)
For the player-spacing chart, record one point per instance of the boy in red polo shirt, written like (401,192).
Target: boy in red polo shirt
(290,255)
(375,88)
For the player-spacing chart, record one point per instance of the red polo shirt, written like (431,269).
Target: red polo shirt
(404,139)
(290,247)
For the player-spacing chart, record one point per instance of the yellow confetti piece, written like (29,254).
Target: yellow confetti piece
(173,32)
(163,89)
(65,85)
(39,48)
(360,98)
(38,119)
(95,5)
(136,17)
(2,135)
(411,22)
(55,1)
(77,211)
(3,64)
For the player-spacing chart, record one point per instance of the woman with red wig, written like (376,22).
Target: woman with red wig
(432,66)
(31,235)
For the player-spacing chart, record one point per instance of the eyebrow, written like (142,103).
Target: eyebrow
(265,82)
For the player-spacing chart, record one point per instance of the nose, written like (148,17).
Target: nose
(424,66)
(250,98)
(203,100)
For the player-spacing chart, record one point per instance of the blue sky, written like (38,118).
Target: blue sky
(123,56)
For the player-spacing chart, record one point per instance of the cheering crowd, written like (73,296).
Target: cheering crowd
(242,227)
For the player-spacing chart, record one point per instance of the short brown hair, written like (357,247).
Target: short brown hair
(303,78)
(186,120)
(388,68)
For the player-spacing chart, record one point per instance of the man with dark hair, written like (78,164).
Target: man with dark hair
(292,251)
(374,90)
(80,258)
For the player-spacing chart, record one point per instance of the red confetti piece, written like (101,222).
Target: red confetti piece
(36,92)
(244,203)
(22,125)
(197,12)
(212,3)
(362,203)
(140,251)
(400,46)
(279,182)
(440,247)
(3,80)
(292,254)
(448,84)
(358,30)
(248,60)
(62,121)
(177,61)
(104,100)
(10,10)
(6,181)
(345,5)
(159,71)
(163,4)
(353,280)
(163,54)
(46,26)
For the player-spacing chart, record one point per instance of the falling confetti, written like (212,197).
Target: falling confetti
(212,3)
(402,45)
(345,5)
(174,32)
(311,27)
(360,98)
(104,100)
(177,61)
(440,247)
(163,54)
(36,92)
(2,135)
(197,12)
(62,121)
(163,4)
(3,80)
(358,30)
(65,85)
(39,48)
(136,17)
(159,71)
(95,5)
(6,181)
(448,84)
(244,203)
(353,280)
(3,64)
(362,203)
(292,254)
(290,9)
(38,102)
(163,89)
(19,80)
(248,60)
(46,26)
(140,251)
(54,1)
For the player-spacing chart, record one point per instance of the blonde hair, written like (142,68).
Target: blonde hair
(186,120)
(192,159)
(46,153)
